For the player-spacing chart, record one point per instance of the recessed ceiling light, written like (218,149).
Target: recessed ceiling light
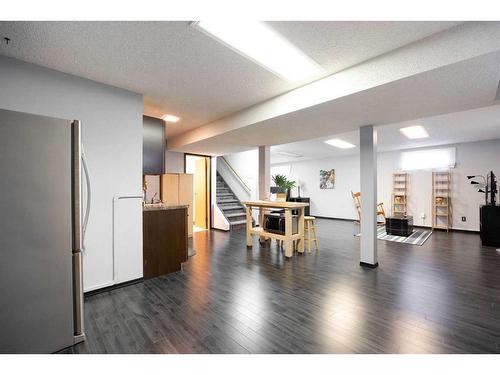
(414,132)
(339,143)
(260,43)
(170,118)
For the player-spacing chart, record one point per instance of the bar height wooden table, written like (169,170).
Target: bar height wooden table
(288,237)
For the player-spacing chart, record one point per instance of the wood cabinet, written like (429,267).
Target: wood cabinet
(169,188)
(177,188)
(165,245)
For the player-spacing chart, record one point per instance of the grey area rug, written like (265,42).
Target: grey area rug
(418,237)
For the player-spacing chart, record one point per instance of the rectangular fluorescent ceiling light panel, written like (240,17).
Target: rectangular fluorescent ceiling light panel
(414,132)
(339,143)
(260,43)
(170,118)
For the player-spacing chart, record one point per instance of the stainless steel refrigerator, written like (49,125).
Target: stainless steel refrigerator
(41,297)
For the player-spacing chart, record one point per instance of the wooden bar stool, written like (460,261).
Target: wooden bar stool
(310,232)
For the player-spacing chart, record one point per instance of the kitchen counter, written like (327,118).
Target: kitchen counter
(163,206)
(165,237)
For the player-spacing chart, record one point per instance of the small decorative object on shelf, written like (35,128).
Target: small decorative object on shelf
(441,200)
(399,193)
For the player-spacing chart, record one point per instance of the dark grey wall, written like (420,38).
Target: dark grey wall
(153,146)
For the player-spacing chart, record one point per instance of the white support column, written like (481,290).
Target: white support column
(368,181)
(264,172)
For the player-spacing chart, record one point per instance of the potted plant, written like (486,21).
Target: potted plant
(283,185)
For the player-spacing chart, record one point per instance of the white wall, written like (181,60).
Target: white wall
(174,162)
(153,187)
(240,190)
(472,158)
(327,202)
(246,164)
(112,137)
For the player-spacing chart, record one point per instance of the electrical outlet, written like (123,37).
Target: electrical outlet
(464,218)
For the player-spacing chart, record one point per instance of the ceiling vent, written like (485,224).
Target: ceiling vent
(288,154)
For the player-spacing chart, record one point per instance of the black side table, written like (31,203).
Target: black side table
(301,200)
(399,225)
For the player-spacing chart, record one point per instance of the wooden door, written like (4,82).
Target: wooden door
(186,197)
(200,193)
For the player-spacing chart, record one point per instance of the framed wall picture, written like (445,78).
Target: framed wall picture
(327,179)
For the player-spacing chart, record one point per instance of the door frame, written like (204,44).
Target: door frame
(209,185)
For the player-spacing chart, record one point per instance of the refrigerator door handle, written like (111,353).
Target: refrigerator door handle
(89,196)
(76,186)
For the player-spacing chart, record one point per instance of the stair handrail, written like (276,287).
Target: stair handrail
(238,177)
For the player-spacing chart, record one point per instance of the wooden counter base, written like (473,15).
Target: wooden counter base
(164,241)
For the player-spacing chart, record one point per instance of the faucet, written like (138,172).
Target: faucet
(153,199)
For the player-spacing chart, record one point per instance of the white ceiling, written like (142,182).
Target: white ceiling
(467,126)
(183,71)
(456,87)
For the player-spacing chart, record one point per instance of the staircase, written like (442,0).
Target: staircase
(230,206)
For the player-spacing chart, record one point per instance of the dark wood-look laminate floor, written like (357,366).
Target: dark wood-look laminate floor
(443,297)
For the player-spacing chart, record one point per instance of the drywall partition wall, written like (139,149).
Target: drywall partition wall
(112,137)
(240,189)
(174,162)
(472,158)
(246,164)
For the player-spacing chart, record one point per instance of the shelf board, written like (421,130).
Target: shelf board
(261,232)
